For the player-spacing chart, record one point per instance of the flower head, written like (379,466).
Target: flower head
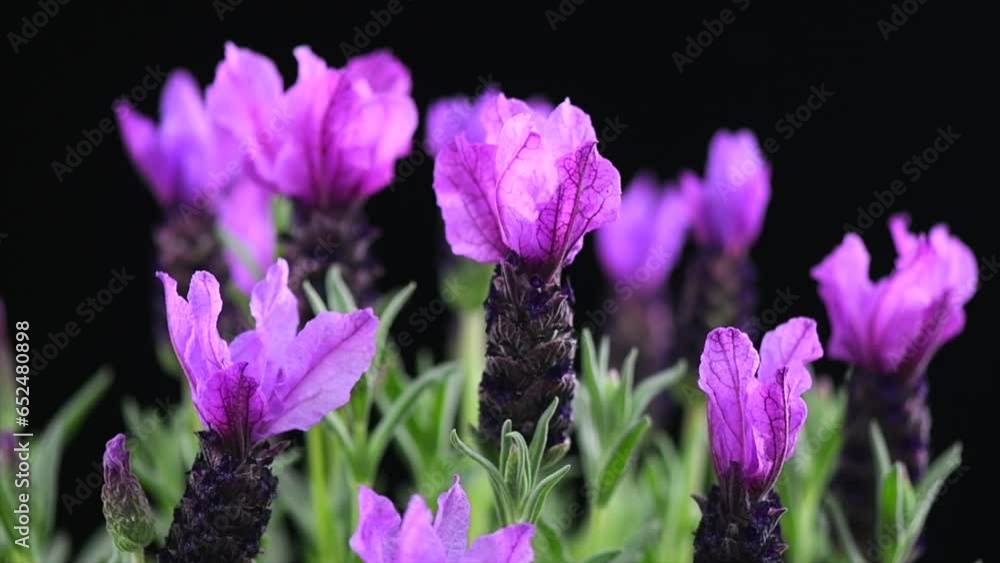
(333,137)
(898,322)
(529,185)
(449,117)
(129,518)
(645,242)
(755,406)
(273,378)
(729,203)
(383,536)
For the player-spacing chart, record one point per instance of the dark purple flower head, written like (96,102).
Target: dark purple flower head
(130,520)
(729,203)
(528,184)
(898,322)
(755,406)
(643,245)
(333,137)
(418,536)
(273,378)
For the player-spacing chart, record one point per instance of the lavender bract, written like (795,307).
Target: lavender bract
(523,193)
(129,518)
(889,330)
(382,536)
(755,412)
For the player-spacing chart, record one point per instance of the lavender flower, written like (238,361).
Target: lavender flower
(195,173)
(449,117)
(383,537)
(638,253)
(727,211)
(523,195)
(129,518)
(269,380)
(755,412)
(329,142)
(890,329)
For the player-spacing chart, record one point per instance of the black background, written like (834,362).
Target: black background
(889,97)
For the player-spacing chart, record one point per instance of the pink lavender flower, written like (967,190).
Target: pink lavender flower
(729,203)
(899,321)
(382,536)
(528,185)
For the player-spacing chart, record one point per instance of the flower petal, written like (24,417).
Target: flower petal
(231,404)
(246,215)
(377,534)
(193,327)
(511,544)
(139,135)
(465,187)
(384,73)
(417,541)
(847,292)
(568,128)
(451,523)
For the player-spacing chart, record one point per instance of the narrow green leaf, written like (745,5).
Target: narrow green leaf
(650,387)
(382,435)
(315,301)
(605,556)
(340,430)
(883,462)
(891,524)
(540,440)
(940,469)
(505,504)
(338,294)
(616,464)
(477,457)
(589,373)
(519,479)
(536,500)
(927,493)
(623,395)
(844,531)
(505,430)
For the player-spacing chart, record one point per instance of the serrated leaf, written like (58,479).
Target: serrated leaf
(338,294)
(313,298)
(616,465)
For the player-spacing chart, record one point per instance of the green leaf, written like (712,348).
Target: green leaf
(927,493)
(505,504)
(315,301)
(616,465)
(891,516)
(516,473)
(340,431)
(536,500)
(387,310)
(466,284)
(844,531)
(281,213)
(623,395)
(549,546)
(605,556)
(650,387)
(883,462)
(338,295)
(589,373)
(541,437)
(402,407)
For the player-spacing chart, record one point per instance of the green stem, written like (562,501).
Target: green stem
(471,353)
(139,556)
(326,532)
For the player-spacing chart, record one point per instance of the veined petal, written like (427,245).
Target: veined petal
(377,534)
(847,292)
(193,329)
(567,129)
(511,544)
(451,523)
(417,541)
(465,186)
(230,403)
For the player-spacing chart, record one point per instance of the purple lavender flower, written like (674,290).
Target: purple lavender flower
(727,212)
(129,518)
(755,412)
(268,380)
(638,253)
(449,117)
(523,194)
(382,536)
(890,329)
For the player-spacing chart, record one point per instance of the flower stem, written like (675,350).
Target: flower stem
(139,556)
(471,353)
(326,532)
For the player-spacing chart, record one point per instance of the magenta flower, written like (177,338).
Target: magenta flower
(755,406)
(642,246)
(448,117)
(333,137)
(245,214)
(530,185)
(273,378)
(729,203)
(383,537)
(898,322)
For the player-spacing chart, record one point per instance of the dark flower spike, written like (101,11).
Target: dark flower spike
(755,412)
(522,189)
(127,514)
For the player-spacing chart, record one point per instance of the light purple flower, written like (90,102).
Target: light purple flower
(729,203)
(448,117)
(333,137)
(245,214)
(382,536)
(531,186)
(898,322)
(273,378)
(755,406)
(183,157)
(643,245)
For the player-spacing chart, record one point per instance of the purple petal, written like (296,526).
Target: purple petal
(451,523)
(193,327)
(188,138)
(792,344)
(847,292)
(140,138)
(727,376)
(511,544)
(323,363)
(382,71)
(246,215)
(275,309)
(446,118)
(567,129)
(770,409)
(493,111)
(465,187)
(417,541)
(230,403)
(377,534)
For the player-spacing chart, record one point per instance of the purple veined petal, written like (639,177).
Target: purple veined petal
(727,376)
(446,119)
(230,403)
(847,292)
(770,410)
(417,541)
(377,534)
(385,124)
(323,363)
(382,71)
(141,140)
(511,544)
(192,324)
(451,523)
(245,213)
(492,112)
(567,128)
(465,188)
